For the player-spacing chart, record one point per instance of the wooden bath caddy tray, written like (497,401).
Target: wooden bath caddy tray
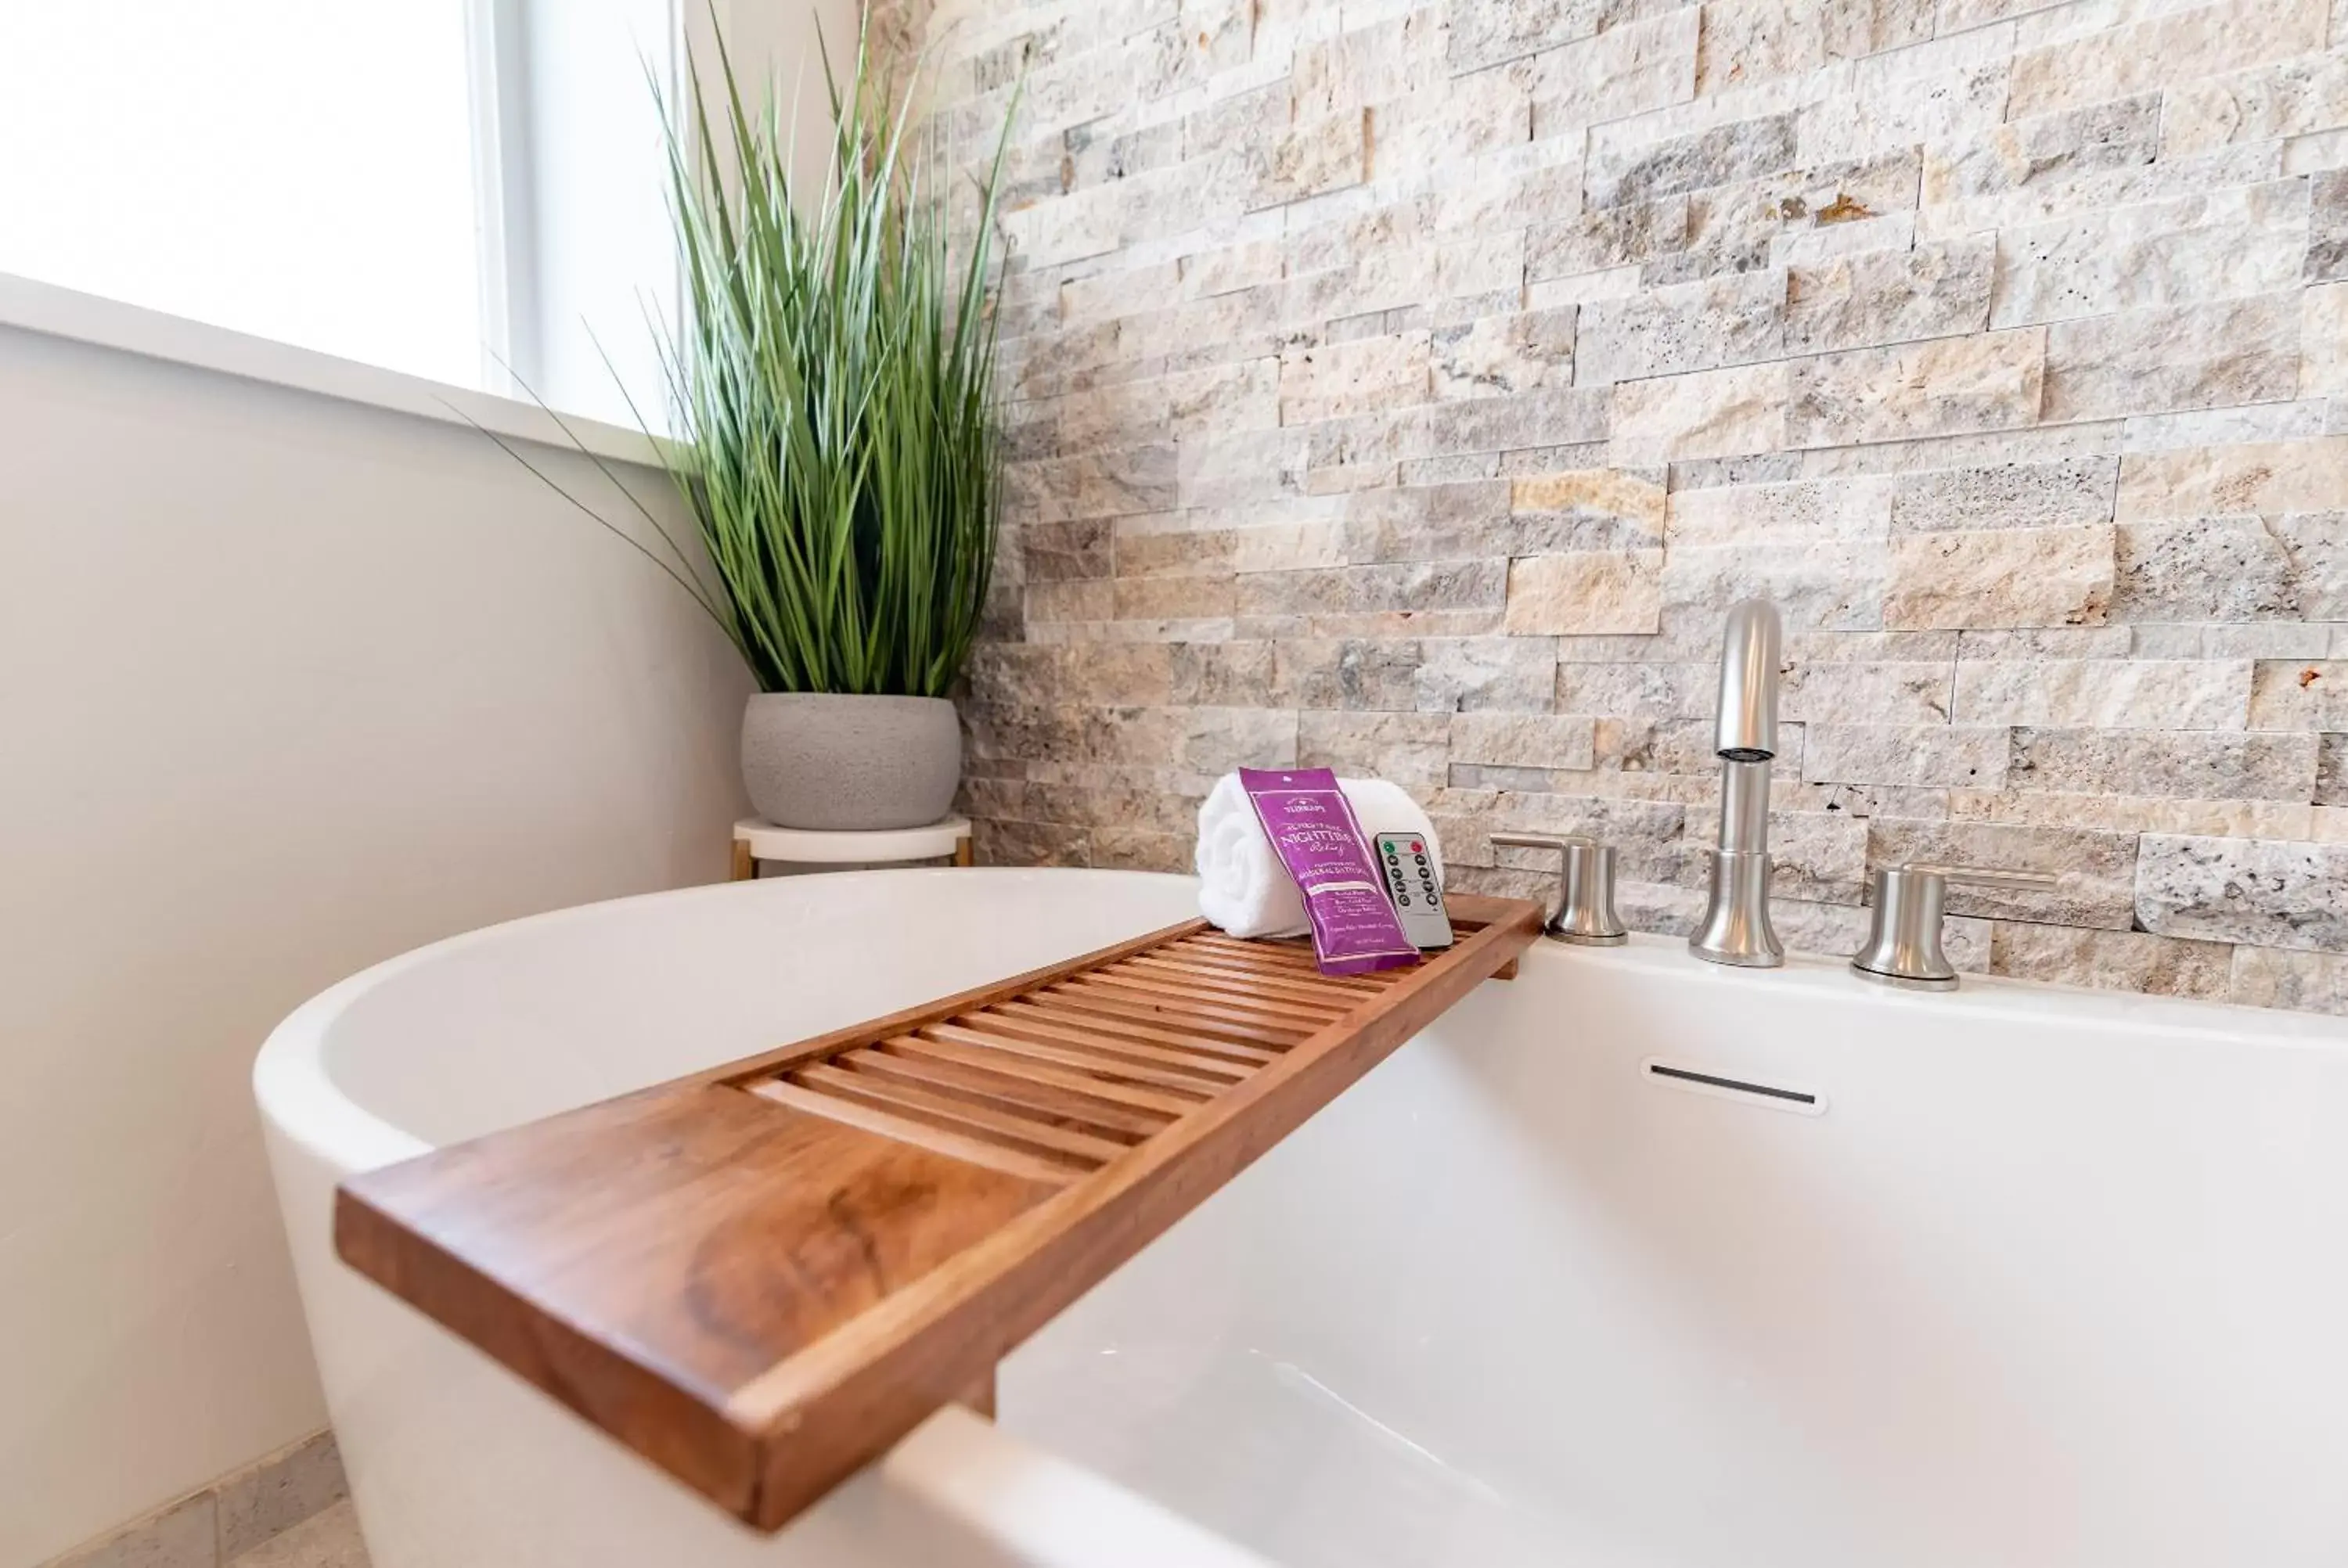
(761,1277)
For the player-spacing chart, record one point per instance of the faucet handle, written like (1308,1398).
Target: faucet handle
(1585,895)
(1903,944)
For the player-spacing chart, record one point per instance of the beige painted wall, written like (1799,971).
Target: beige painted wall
(286,686)
(784,36)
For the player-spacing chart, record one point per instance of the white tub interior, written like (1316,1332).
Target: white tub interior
(2055,1281)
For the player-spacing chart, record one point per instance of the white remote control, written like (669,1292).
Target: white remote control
(1410,883)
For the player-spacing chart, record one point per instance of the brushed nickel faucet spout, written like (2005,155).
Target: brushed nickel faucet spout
(1735,927)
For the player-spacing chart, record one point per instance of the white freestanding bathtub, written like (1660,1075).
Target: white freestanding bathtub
(2013,1277)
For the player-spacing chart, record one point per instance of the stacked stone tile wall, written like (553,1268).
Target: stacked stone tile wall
(1408,389)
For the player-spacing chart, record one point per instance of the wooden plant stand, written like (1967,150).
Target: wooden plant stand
(756,841)
(761,1277)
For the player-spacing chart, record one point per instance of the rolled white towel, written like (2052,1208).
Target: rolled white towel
(1242,887)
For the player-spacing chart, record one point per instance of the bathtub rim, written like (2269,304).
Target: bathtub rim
(296,1090)
(1983,996)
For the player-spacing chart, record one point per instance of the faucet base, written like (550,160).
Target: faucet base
(1904,982)
(1735,928)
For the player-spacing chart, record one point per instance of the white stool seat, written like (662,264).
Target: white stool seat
(761,840)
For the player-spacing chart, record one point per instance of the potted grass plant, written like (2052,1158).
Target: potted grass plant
(832,383)
(834,444)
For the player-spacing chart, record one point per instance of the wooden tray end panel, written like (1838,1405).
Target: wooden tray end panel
(643,1260)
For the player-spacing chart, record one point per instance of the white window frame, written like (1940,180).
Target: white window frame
(507,248)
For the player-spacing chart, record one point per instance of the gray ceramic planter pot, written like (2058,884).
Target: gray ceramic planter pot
(851,763)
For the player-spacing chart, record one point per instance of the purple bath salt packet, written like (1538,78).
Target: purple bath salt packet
(1311,828)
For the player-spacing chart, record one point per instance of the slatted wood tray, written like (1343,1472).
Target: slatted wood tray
(761,1277)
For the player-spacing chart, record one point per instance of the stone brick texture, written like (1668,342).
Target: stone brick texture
(1407,386)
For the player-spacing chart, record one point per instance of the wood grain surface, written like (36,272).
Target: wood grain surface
(762,1276)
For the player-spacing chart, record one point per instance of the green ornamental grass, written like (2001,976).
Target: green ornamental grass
(830,391)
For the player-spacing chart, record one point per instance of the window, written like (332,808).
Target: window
(445,188)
